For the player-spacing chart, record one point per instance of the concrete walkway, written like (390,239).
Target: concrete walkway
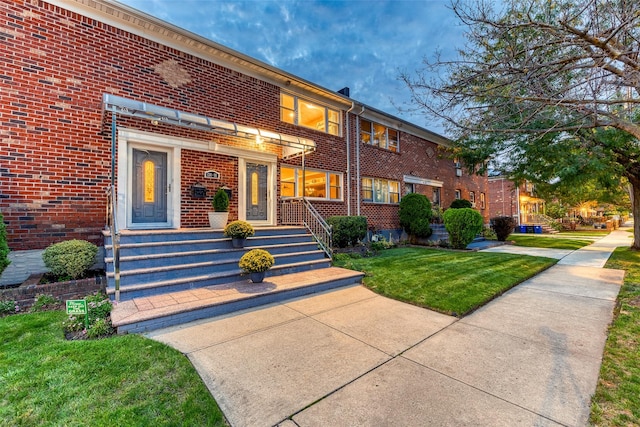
(353,358)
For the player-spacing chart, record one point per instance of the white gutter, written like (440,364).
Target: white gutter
(348,183)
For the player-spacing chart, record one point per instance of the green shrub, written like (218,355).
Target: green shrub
(4,248)
(462,224)
(8,307)
(436,214)
(381,244)
(415,215)
(460,204)
(256,260)
(347,230)
(220,201)
(98,314)
(45,302)
(488,233)
(239,230)
(70,259)
(503,226)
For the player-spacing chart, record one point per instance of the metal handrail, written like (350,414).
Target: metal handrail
(299,211)
(112,225)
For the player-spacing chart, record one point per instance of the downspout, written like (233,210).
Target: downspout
(518,204)
(348,184)
(358,160)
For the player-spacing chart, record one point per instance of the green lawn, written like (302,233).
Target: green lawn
(548,242)
(617,398)
(120,381)
(451,282)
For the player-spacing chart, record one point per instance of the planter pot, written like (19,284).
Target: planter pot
(218,220)
(257,277)
(237,242)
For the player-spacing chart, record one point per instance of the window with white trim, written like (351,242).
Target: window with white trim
(458,195)
(380,190)
(482,201)
(318,184)
(301,112)
(379,136)
(472,197)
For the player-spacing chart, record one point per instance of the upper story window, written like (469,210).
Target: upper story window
(380,136)
(301,112)
(317,184)
(380,190)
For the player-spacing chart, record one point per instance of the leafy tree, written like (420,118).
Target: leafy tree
(549,88)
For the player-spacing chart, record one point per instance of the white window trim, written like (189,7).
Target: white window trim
(297,174)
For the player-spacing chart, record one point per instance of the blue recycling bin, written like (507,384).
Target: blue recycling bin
(522,229)
(537,229)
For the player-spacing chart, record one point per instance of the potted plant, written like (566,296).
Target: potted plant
(256,262)
(218,219)
(238,231)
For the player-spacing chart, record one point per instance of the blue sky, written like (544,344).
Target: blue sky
(357,43)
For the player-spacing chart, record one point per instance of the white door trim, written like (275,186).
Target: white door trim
(128,140)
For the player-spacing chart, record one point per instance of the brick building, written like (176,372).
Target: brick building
(94,93)
(520,202)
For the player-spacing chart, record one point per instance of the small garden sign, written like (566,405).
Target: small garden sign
(78,307)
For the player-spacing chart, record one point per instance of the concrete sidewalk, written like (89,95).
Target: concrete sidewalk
(353,358)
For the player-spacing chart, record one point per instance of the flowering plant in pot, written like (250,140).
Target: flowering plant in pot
(218,219)
(238,231)
(256,262)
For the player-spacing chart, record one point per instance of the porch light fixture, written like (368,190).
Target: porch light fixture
(292,145)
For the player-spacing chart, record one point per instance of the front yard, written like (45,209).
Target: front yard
(451,282)
(119,381)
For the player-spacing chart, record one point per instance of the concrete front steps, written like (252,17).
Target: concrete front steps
(164,261)
(185,265)
(160,311)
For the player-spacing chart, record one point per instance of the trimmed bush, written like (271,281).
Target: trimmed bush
(220,202)
(347,230)
(460,204)
(463,224)
(256,261)
(4,248)
(70,259)
(415,215)
(503,226)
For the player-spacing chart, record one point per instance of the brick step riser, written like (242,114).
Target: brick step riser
(126,294)
(185,272)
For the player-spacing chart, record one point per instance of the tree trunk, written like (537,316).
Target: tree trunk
(635,202)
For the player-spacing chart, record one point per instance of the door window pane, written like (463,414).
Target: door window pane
(149,181)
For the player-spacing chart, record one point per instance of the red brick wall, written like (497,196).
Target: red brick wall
(502,200)
(55,149)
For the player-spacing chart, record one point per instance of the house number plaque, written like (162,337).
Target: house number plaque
(212,174)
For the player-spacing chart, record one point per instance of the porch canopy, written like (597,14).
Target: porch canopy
(292,145)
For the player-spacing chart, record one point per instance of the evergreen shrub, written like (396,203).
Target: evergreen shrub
(462,224)
(460,204)
(415,215)
(347,230)
(70,259)
(4,247)
(220,201)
